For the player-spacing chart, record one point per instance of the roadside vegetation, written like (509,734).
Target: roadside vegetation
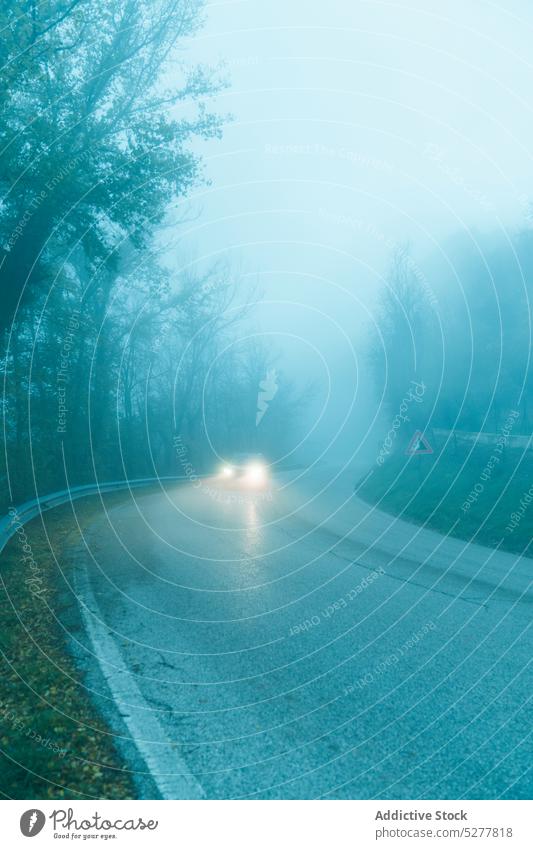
(460,491)
(453,355)
(53,743)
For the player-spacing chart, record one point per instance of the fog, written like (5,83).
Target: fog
(356,126)
(334,199)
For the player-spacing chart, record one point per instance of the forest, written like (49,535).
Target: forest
(109,351)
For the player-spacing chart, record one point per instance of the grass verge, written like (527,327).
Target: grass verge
(479,495)
(54,744)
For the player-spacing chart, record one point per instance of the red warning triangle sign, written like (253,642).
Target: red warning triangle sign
(419,444)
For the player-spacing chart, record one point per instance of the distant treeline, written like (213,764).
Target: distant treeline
(462,327)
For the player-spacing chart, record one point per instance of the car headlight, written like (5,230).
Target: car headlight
(227,472)
(256,473)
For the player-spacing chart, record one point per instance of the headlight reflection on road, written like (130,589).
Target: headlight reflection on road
(253,528)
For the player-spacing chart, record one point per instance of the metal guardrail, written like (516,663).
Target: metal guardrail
(484,438)
(30,509)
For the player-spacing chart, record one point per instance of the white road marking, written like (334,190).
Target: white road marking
(167,768)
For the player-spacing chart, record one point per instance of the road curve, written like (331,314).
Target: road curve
(295,643)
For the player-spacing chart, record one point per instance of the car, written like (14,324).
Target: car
(247,467)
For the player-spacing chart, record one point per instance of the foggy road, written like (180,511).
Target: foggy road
(294,642)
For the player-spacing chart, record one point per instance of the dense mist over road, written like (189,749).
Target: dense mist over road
(358,128)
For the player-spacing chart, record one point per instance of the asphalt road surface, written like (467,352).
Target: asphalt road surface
(293,642)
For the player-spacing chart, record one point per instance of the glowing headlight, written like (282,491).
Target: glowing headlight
(256,473)
(227,472)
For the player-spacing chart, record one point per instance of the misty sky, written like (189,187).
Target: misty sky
(358,125)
